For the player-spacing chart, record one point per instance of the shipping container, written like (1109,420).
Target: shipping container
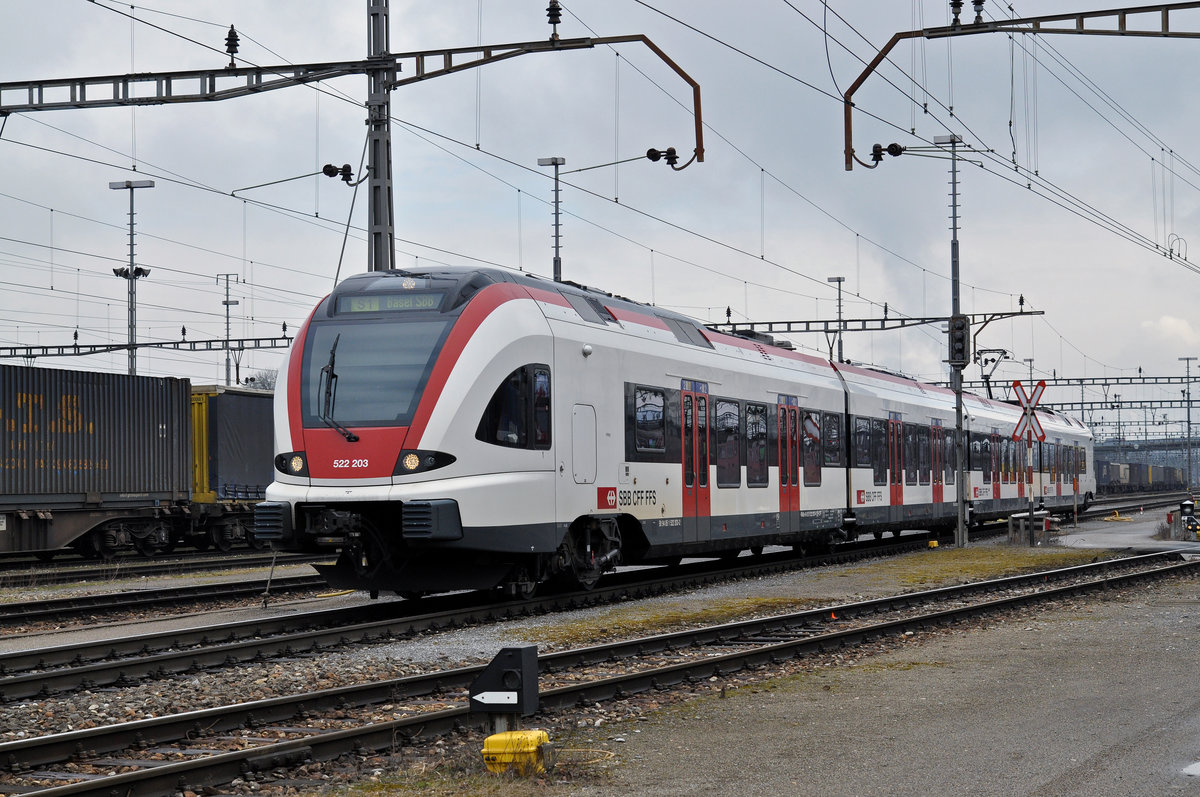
(86,446)
(232,443)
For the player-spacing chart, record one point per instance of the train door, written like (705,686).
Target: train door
(896,461)
(939,464)
(996,449)
(694,427)
(1019,456)
(789,467)
(1058,468)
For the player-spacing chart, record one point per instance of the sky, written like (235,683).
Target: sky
(1076,189)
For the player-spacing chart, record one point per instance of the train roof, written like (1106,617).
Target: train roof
(596,305)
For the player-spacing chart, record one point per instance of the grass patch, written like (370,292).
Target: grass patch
(630,621)
(907,573)
(960,565)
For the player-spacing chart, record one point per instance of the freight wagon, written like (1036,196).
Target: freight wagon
(1137,477)
(103,463)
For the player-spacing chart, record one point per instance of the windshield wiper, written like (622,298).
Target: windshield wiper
(329,383)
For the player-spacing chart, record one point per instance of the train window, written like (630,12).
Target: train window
(924,454)
(862,442)
(951,458)
(1082,461)
(879,450)
(521,404)
(702,439)
(757,471)
(811,440)
(781,432)
(689,448)
(788,442)
(541,408)
(910,453)
(381,374)
(727,423)
(650,419)
(985,457)
(831,439)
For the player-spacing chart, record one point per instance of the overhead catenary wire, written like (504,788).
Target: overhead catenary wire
(773,177)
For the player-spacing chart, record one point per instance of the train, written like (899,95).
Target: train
(1113,478)
(103,464)
(474,428)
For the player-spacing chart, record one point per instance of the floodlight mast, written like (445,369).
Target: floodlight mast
(131,273)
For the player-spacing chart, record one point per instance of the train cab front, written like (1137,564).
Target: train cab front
(353,472)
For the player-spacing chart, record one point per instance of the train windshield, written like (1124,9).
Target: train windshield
(381,369)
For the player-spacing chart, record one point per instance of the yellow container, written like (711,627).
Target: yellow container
(523,752)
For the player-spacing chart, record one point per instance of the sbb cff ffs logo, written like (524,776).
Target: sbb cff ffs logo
(606,497)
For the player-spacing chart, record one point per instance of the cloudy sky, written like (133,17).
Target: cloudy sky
(1078,184)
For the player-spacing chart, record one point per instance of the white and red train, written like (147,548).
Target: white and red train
(468,428)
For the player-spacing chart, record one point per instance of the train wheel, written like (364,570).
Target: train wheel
(146,547)
(219,539)
(590,548)
(523,585)
(44,556)
(756,550)
(99,545)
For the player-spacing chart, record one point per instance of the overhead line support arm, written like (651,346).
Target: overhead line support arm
(1040,24)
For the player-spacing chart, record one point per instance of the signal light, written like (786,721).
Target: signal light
(960,341)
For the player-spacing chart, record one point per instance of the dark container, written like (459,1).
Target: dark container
(79,439)
(233,443)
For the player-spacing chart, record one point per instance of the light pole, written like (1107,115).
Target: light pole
(959,331)
(1116,405)
(555,162)
(839,281)
(1187,364)
(1029,362)
(956,369)
(131,272)
(228,303)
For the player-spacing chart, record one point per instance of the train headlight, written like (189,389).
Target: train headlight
(410,462)
(292,463)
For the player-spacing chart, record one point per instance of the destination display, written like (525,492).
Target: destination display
(390,302)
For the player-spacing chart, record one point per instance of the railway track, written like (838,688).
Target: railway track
(213,747)
(57,610)
(45,671)
(27,574)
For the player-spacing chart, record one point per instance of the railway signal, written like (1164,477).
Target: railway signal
(960,341)
(1029,421)
(1029,427)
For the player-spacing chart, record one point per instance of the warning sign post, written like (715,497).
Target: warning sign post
(1029,427)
